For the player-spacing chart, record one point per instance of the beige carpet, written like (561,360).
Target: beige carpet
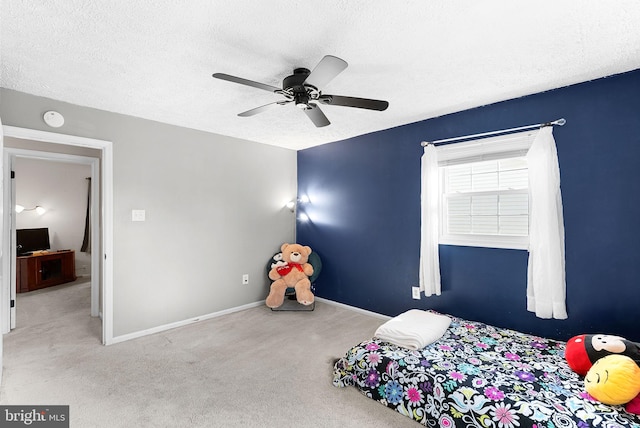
(254,368)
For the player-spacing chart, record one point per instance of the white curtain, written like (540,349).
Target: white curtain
(430,194)
(546,289)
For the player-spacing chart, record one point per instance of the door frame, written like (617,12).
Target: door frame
(103,256)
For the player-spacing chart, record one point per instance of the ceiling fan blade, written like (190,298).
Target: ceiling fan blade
(338,100)
(316,115)
(247,82)
(260,109)
(328,68)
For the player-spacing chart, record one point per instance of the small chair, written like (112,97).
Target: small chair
(290,301)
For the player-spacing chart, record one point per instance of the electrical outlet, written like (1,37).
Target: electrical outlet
(245,279)
(415,293)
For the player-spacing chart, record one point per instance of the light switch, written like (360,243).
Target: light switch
(137,215)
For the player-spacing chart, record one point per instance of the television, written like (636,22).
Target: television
(29,240)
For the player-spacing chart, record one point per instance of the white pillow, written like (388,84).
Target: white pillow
(414,329)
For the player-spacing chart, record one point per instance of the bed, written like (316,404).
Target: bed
(477,375)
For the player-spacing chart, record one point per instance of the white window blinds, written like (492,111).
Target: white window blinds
(484,191)
(487,198)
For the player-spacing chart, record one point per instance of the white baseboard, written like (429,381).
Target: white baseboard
(130,336)
(353,308)
(154,330)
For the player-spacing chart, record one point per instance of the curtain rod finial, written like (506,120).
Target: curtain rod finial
(559,122)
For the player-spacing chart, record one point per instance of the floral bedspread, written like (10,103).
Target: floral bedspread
(477,375)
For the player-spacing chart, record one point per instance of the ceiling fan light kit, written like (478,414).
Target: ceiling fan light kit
(301,88)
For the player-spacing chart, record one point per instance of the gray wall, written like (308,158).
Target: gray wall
(214,211)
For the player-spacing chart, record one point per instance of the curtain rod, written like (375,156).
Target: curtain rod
(559,122)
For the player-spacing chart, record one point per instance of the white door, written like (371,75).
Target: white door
(12,230)
(2,255)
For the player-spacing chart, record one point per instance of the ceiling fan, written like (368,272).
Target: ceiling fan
(302,89)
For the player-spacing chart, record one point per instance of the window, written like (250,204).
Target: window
(474,194)
(484,192)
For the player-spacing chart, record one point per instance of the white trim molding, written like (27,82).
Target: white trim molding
(353,308)
(106,182)
(165,327)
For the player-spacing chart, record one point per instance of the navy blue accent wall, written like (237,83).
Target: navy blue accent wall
(365,215)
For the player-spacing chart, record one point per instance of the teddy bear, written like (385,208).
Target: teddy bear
(294,272)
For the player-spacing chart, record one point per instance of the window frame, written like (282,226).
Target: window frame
(472,151)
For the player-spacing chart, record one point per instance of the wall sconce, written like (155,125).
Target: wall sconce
(304,199)
(38,209)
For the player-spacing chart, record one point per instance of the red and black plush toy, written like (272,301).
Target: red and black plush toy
(584,350)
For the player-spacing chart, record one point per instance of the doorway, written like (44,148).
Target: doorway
(101,229)
(62,187)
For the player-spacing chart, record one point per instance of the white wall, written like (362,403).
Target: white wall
(61,188)
(214,211)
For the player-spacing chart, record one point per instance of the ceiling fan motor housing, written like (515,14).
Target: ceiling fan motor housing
(296,80)
(295,84)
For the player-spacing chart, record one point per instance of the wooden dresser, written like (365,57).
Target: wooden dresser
(45,269)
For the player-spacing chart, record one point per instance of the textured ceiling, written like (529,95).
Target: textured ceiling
(154,58)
